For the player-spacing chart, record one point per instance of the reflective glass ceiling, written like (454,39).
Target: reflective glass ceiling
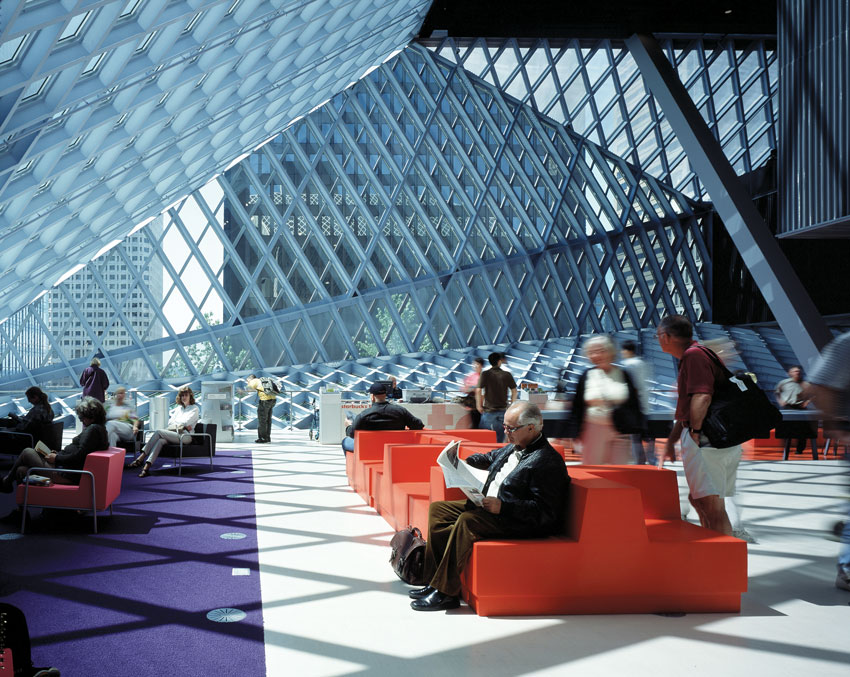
(594,87)
(420,209)
(112,110)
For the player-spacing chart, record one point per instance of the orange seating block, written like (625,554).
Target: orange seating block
(621,520)
(405,485)
(406,476)
(625,547)
(368,452)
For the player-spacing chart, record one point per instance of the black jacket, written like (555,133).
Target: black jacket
(384,416)
(39,415)
(534,493)
(73,457)
(629,418)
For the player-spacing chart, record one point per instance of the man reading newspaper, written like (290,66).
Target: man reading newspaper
(523,497)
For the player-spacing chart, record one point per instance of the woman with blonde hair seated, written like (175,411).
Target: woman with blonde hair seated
(181,422)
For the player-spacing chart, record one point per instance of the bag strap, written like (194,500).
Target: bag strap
(717,361)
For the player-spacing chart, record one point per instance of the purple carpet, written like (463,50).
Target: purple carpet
(133,599)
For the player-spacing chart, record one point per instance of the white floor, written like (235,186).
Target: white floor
(332,605)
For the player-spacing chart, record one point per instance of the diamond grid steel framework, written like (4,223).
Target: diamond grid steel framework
(112,110)
(421,209)
(594,87)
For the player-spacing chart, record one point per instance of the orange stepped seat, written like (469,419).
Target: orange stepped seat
(404,478)
(626,550)
(417,512)
(368,456)
(620,519)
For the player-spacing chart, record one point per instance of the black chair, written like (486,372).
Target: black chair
(135,445)
(12,442)
(202,444)
(797,430)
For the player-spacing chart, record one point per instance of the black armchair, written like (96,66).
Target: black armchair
(202,444)
(12,442)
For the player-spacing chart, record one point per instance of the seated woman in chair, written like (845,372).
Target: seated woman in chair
(181,422)
(38,415)
(73,457)
(121,420)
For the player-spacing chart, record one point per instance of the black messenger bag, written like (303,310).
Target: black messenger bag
(739,409)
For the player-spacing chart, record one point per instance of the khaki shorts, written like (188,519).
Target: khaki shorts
(709,471)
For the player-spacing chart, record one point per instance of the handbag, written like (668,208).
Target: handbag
(627,419)
(739,410)
(408,555)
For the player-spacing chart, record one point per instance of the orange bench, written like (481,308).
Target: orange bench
(626,550)
(404,478)
(368,457)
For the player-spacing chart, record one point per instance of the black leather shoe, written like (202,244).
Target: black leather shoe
(436,601)
(419,593)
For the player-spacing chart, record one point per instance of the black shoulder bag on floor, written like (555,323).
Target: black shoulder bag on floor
(408,555)
(739,409)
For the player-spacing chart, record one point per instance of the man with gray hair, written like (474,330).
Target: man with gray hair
(523,498)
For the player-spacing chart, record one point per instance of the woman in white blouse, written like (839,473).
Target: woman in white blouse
(181,421)
(606,409)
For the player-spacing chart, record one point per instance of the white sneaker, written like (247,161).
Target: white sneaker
(744,535)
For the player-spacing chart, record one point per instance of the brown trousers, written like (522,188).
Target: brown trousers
(452,531)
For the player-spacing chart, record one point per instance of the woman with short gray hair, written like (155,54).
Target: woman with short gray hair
(606,408)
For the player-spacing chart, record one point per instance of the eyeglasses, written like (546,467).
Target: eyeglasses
(513,429)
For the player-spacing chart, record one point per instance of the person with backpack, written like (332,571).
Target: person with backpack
(710,472)
(267,390)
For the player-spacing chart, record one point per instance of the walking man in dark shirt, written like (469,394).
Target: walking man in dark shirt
(382,415)
(710,472)
(491,395)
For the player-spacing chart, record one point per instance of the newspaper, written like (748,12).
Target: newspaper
(460,475)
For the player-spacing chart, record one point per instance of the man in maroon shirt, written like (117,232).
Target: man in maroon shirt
(710,472)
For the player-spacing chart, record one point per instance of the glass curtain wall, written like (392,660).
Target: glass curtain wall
(422,209)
